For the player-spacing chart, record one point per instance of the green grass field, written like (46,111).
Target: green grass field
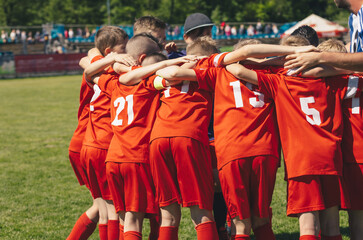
(39,194)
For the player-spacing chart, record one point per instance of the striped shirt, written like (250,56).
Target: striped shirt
(356,31)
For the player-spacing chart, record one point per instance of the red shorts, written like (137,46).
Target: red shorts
(247,185)
(182,172)
(94,160)
(78,168)
(131,187)
(312,193)
(352,197)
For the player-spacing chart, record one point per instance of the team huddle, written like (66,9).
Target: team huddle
(157,134)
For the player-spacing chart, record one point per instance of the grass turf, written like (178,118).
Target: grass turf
(39,195)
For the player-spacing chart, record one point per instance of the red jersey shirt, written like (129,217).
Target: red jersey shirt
(185,110)
(244,123)
(353,129)
(85,96)
(133,111)
(309,116)
(99,131)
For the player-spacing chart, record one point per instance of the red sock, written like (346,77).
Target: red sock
(154,228)
(264,232)
(102,229)
(240,237)
(309,237)
(83,228)
(132,235)
(113,230)
(207,231)
(121,228)
(339,237)
(168,233)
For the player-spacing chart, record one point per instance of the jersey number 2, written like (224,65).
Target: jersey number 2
(120,104)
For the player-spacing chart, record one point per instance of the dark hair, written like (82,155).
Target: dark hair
(148,35)
(109,36)
(307,32)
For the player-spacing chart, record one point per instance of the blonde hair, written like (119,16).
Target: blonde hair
(294,40)
(332,45)
(202,46)
(245,42)
(109,37)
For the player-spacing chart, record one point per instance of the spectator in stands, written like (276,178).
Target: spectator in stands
(79,32)
(275,30)
(13,36)
(259,27)
(233,31)
(66,34)
(242,29)
(250,30)
(227,30)
(30,38)
(268,29)
(176,31)
(70,33)
(37,37)
(18,35)
(86,33)
(4,36)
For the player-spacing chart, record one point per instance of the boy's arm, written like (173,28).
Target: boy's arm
(302,61)
(240,72)
(99,66)
(176,73)
(262,50)
(324,71)
(135,76)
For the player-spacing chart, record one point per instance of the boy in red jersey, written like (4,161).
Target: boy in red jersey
(310,135)
(132,115)
(179,155)
(107,38)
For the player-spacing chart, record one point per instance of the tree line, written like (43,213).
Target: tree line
(37,12)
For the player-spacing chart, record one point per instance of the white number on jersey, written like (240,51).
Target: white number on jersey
(97,92)
(310,111)
(120,104)
(184,89)
(256,102)
(355,105)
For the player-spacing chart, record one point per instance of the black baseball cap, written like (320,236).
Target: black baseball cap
(196,20)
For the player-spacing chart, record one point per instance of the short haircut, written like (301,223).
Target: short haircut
(142,43)
(202,46)
(109,37)
(332,45)
(148,24)
(245,42)
(307,32)
(154,58)
(294,40)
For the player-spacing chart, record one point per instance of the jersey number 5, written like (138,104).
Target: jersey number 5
(120,104)
(310,111)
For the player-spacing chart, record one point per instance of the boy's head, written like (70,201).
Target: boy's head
(111,39)
(197,25)
(153,58)
(203,46)
(307,32)
(332,45)
(142,45)
(152,26)
(294,40)
(245,42)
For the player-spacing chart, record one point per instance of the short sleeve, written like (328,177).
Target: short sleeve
(268,84)
(206,78)
(96,58)
(149,83)
(108,82)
